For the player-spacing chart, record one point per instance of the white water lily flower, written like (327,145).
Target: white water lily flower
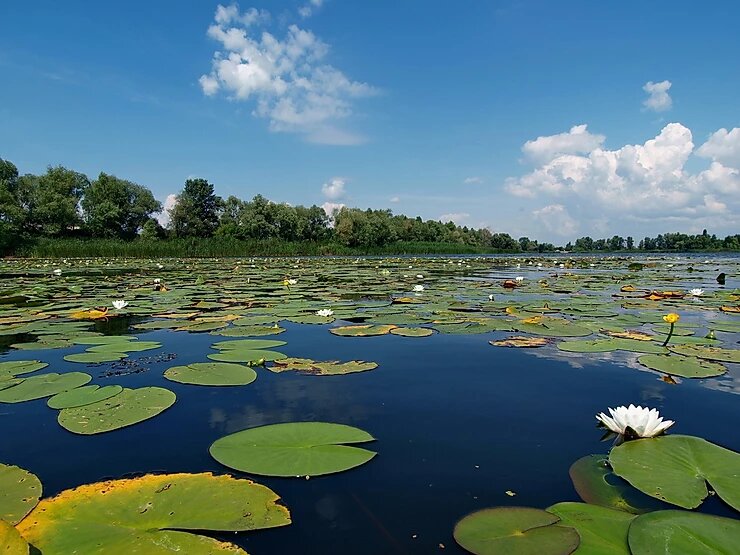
(418,288)
(490,297)
(57,272)
(292,281)
(642,421)
(696,292)
(325,312)
(419,276)
(157,281)
(519,278)
(118,305)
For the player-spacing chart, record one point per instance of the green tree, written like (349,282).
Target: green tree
(152,231)
(197,210)
(52,200)
(115,207)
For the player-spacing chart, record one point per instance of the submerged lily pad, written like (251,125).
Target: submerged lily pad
(707,353)
(686,367)
(129,407)
(676,469)
(152,514)
(329,368)
(293,449)
(363,330)
(246,355)
(520,341)
(515,530)
(44,385)
(81,396)
(19,493)
(11,541)
(603,531)
(211,373)
(683,532)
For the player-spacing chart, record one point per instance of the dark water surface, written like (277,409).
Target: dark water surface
(457,422)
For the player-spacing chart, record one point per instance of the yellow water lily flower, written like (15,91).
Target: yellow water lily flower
(671,318)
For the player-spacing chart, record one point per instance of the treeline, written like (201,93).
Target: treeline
(64,204)
(64,212)
(679,242)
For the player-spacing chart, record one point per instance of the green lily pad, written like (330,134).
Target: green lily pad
(363,330)
(248,344)
(412,332)
(5,383)
(20,491)
(596,484)
(14,368)
(707,353)
(608,345)
(125,347)
(44,385)
(683,533)
(603,531)
(552,327)
(246,355)
(676,469)
(94,358)
(211,373)
(515,531)
(81,396)
(686,367)
(293,449)
(104,339)
(250,331)
(11,541)
(129,407)
(152,514)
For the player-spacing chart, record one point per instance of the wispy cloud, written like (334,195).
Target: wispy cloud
(334,188)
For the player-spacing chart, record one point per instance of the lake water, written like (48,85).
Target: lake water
(457,422)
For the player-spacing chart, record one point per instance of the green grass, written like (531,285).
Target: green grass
(221,247)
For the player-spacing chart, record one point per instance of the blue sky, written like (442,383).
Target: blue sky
(472,111)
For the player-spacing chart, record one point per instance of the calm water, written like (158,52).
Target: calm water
(457,422)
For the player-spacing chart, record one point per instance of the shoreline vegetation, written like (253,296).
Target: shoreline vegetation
(63,213)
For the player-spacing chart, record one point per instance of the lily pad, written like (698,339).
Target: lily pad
(125,347)
(603,531)
(81,396)
(19,493)
(412,332)
(129,407)
(95,358)
(152,515)
(44,385)
(516,531)
(520,341)
(11,541)
(293,449)
(608,345)
(246,355)
(364,330)
(248,344)
(707,353)
(14,368)
(211,373)
(686,367)
(676,469)
(683,532)
(329,368)
(596,483)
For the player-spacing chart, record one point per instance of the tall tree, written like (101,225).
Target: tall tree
(52,200)
(196,212)
(117,208)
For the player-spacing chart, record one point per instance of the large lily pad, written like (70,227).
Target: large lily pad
(603,531)
(19,493)
(683,533)
(14,368)
(676,469)
(686,367)
(246,355)
(364,330)
(95,358)
(11,541)
(597,484)
(129,407)
(293,449)
(151,515)
(211,373)
(515,531)
(81,396)
(44,385)
(608,345)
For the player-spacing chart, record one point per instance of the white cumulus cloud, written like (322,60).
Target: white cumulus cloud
(576,141)
(169,203)
(646,182)
(287,78)
(658,98)
(334,188)
(309,8)
(458,218)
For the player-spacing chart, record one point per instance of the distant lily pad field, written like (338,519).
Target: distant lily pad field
(399,405)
